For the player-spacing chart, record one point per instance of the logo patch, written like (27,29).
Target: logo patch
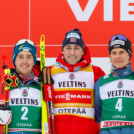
(120,84)
(116,46)
(77,68)
(72,39)
(71,76)
(21,47)
(73,35)
(119,42)
(25,93)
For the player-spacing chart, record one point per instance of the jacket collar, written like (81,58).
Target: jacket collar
(122,72)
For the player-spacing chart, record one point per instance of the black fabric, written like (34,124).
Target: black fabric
(73,39)
(116,44)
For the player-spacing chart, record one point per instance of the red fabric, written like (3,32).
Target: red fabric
(98,72)
(69,124)
(48,92)
(36,70)
(1,129)
(86,59)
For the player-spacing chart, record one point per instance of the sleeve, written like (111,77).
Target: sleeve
(98,72)
(97,102)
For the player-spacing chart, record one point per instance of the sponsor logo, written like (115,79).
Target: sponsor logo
(25,93)
(24,101)
(21,47)
(69,96)
(72,39)
(49,92)
(119,42)
(120,84)
(72,84)
(71,76)
(115,93)
(87,12)
(116,123)
(73,35)
(77,68)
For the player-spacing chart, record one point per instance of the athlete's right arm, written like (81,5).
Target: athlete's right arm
(98,72)
(97,102)
(5,117)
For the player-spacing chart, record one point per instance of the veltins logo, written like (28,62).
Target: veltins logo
(120,84)
(25,93)
(71,76)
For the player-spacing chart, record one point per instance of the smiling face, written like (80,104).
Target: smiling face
(24,63)
(119,57)
(72,53)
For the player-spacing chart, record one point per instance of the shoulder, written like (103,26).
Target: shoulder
(98,72)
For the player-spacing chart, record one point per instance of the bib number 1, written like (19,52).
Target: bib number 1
(119,105)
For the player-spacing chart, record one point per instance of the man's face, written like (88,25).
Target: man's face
(119,57)
(72,53)
(24,63)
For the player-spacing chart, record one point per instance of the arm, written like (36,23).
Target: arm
(98,72)
(97,102)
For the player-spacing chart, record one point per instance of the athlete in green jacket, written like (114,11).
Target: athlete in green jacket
(25,99)
(114,93)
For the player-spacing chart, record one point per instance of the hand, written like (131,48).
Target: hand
(5,117)
(48,85)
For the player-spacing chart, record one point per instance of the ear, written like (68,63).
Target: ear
(62,52)
(15,63)
(83,52)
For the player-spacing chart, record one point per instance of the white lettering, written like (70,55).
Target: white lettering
(73,35)
(24,125)
(121,42)
(69,96)
(126,9)
(108,10)
(82,15)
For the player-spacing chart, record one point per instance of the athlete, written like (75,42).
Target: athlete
(114,93)
(74,77)
(25,99)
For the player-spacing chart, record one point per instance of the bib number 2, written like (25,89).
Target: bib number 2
(23,117)
(119,105)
